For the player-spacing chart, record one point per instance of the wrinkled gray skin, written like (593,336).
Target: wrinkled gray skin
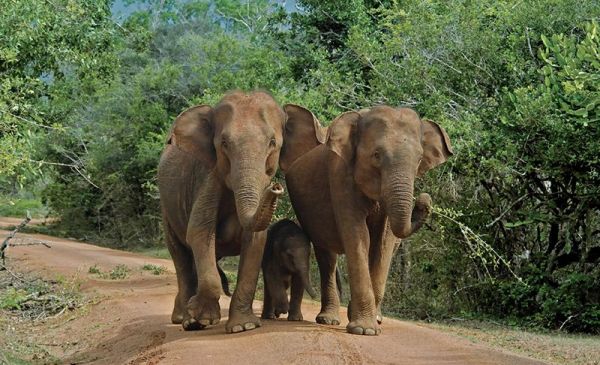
(353,195)
(217,200)
(286,263)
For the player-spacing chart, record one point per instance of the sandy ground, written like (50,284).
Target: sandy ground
(128,323)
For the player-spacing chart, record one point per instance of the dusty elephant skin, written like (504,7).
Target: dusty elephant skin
(286,263)
(217,199)
(354,195)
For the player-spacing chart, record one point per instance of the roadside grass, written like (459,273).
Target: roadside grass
(27,302)
(154,269)
(551,346)
(119,272)
(159,252)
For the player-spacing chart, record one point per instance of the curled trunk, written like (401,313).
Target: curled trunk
(266,208)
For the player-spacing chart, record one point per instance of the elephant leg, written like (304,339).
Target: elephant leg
(204,307)
(276,302)
(267,312)
(380,258)
(241,317)
(330,302)
(186,274)
(297,292)
(362,301)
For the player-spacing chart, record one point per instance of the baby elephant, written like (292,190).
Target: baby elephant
(286,263)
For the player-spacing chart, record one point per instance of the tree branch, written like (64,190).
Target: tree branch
(506,211)
(11,235)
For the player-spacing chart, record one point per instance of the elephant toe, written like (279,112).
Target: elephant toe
(191,324)
(204,312)
(328,319)
(364,327)
(177,318)
(242,322)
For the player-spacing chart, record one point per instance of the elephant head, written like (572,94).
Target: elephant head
(240,139)
(385,148)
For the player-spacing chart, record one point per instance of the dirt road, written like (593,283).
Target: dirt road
(129,323)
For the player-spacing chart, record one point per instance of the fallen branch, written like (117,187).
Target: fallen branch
(30,244)
(3,267)
(11,235)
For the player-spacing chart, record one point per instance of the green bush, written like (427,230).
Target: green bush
(18,207)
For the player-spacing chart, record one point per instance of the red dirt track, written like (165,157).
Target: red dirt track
(128,322)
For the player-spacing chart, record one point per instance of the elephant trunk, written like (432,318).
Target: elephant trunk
(404,220)
(267,206)
(255,207)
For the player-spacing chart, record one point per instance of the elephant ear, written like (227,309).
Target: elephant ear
(193,133)
(436,146)
(342,135)
(303,132)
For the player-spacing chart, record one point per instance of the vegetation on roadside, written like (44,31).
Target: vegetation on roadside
(154,269)
(119,272)
(516,231)
(551,346)
(27,301)
(11,206)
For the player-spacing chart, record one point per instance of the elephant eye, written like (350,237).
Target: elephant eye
(224,143)
(272,142)
(376,155)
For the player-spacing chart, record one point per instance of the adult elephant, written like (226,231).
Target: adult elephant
(353,194)
(217,199)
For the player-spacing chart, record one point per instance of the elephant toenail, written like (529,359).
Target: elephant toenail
(249,326)
(237,329)
(370,332)
(357,330)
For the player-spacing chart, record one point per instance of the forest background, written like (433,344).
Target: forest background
(89,89)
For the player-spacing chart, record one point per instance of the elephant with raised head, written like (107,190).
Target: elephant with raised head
(286,263)
(353,195)
(217,200)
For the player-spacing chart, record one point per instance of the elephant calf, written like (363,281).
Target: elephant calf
(286,263)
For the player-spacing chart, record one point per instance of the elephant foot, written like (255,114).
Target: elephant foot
(328,318)
(203,312)
(295,317)
(190,324)
(364,326)
(177,316)
(269,315)
(242,322)
(281,308)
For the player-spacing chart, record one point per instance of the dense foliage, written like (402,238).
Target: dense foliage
(86,103)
